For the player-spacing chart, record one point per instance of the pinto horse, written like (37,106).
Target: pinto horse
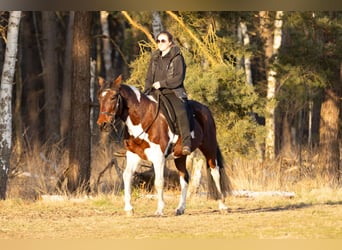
(150,138)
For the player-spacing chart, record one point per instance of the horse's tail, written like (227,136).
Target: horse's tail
(225,183)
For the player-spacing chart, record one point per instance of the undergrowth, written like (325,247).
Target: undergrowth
(38,170)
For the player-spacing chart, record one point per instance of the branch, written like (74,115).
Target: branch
(139,27)
(193,36)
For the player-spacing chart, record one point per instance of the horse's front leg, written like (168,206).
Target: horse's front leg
(184,183)
(159,185)
(132,163)
(158,161)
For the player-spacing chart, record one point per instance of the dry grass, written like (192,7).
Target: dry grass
(314,213)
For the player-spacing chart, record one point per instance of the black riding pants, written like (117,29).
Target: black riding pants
(181,110)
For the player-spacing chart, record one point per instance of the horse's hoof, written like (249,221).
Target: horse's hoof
(224,211)
(129,213)
(159,213)
(222,206)
(179,212)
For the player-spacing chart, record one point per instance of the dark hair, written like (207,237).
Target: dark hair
(168,34)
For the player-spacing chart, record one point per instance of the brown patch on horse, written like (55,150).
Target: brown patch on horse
(152,123)
(137,146)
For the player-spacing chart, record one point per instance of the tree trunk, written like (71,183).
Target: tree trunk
(17,118)
(157,25)
(107,48)
(244,37)
(6,99)
(266,34)
(67,79)
(329,145)
(246,58)
(272,45)
(286,143)
(78,173)
(31,75)
(50,75)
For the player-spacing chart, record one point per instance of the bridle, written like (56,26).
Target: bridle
(117,112)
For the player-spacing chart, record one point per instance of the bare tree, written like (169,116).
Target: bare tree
(67,78)
(6,99)
(30,72)
(50,74)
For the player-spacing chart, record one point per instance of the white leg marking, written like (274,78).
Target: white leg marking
(132,163)
(216,176)
(222,206)
(157,157)
(182,201)
(215,173)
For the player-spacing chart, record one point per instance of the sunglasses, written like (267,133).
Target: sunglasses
(161,41)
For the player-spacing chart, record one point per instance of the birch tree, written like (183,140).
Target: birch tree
(6,99)
(272,45)
(246,60)
(244,37)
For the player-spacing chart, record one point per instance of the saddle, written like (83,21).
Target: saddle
(166,107)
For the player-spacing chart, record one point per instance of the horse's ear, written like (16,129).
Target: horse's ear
(116,83)
(101,81)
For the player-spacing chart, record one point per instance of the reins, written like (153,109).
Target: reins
(154,118)
(116,113)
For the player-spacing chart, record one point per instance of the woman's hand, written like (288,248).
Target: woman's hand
(156,85)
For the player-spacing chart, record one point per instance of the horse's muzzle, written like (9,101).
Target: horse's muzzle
(104,126)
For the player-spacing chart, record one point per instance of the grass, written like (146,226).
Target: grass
(314,213)
(306,216)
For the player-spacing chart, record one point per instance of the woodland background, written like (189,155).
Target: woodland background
(271,78)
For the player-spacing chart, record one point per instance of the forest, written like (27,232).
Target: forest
(272,80)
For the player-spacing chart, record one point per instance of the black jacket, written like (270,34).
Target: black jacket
(169,70)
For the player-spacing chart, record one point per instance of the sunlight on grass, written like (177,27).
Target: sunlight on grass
(34,210)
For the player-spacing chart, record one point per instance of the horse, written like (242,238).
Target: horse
(150,138)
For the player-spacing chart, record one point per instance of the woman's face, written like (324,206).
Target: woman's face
(163,42)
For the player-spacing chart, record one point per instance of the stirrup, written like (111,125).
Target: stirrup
(186,150)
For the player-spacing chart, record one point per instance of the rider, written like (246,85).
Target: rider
(166,71)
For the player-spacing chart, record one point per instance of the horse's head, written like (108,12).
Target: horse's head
(109,100)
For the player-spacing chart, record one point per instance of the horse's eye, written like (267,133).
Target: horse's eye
(113,98)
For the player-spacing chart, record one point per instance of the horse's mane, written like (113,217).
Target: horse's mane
(140,94)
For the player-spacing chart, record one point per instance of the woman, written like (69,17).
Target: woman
(166,71)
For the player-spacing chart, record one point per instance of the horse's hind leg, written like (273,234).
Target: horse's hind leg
(215,173)
(219,184)
(184,182)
